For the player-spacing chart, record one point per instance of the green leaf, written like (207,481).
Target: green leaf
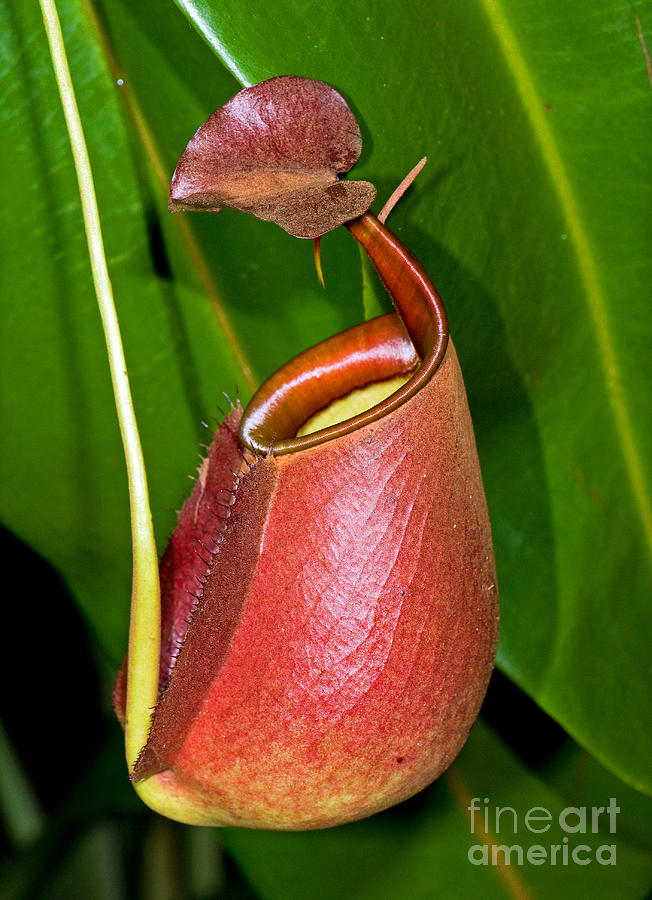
(581,780)
(61,458)
(423,848)
(64,485)
(534,223)
(20,813)
(532,220)
(265,279)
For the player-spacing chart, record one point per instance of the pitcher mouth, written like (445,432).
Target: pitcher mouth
(410,342)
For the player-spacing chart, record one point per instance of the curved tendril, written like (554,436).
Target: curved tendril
(401,189)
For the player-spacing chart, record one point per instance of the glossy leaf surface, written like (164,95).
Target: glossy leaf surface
(533,225)
(421,849)
(531,217)
(179,358)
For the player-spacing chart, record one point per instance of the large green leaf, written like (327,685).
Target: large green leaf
(534,223)
(265,279)
(63,476)
(64,488)
(423,848)
(531,221)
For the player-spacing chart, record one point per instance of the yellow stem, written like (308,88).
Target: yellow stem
(144,635)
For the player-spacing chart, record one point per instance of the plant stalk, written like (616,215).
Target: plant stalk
(144,633)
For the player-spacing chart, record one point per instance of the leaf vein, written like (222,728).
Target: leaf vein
(585,257)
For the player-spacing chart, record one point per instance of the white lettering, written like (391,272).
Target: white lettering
(595,815)
(499,811)
(613,811)
(576,855)
(544,816)
(507,853)
(483,859)
(473,808)
(603,858)
(536,855)
(580,812)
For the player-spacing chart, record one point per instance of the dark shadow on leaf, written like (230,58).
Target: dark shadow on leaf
(66,341)
(515,484)
(521,724)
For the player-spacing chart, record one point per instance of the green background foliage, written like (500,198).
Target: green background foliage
(532,217)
